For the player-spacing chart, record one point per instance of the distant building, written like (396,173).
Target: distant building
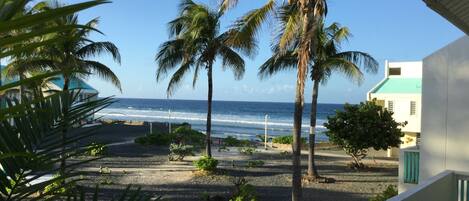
(401,92)
(54,84)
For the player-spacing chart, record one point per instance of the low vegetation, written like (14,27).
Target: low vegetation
(157,138)
(360,127)
(206,164)
(177,152)
(231,141)
(243,191)
(286,139)
(246,150)
(96,149)
(255,163)
(389,192)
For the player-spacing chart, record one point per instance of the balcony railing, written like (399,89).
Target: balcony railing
(447,186)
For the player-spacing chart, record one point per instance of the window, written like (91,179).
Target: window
(394,71)
(391,106)
(413,106)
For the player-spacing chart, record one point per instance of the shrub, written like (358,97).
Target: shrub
(177,152)
(255,163)
(360,127)
(243,191)
(223,148)
(246,150)
(231,141)
(55,187)
(389,192)
(185,135)
(286,139)
(154,139)
(206,164)
(96,149)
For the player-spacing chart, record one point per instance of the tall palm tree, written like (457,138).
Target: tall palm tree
(301,20)
(196,44)
(71,56)
(327,59)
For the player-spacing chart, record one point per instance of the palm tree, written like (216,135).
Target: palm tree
(298,21)
(327,59)
(71,56)
(196,44)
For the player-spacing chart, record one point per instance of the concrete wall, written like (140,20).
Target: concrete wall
(445,110)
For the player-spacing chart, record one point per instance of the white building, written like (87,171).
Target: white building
(401,92)
(440,164)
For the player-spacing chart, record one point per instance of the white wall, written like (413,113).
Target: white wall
(412,69)
(402,109)
(445,110)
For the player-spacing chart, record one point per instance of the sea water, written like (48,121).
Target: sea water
(244,120)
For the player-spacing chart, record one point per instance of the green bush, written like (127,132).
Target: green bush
(358,128)
(286,139)
(243,191)
(389,192)
(231,141)
(255,163)
(55,187)
(177,152)
(155,139)
(206,164)
(185,135)
(246,150)
(96,149)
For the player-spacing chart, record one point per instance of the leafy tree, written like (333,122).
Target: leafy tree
(326,60)
(360,127)
(196,44)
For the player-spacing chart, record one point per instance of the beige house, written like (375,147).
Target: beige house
(401,92)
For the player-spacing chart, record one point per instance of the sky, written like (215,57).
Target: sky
(397,30)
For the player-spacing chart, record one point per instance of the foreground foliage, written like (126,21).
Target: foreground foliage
(206,164)
(360,127)
(242,191)
(389,192)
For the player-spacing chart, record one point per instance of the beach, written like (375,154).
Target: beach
(148,167)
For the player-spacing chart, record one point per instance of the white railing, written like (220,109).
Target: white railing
(448,186)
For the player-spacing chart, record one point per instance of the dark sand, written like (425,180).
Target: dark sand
(149,168)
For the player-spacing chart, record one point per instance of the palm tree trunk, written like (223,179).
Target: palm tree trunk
(297,121)
(312,169)
(208,147)
(65,105)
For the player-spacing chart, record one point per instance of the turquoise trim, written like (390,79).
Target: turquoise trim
(400,85)
(75,83)
(411,167)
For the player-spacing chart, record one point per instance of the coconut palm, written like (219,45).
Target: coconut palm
(71,56)
(196,44)
(326,60)
(298,20)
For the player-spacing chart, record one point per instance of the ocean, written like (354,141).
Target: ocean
(243,120)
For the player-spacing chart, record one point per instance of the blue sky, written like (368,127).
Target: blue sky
(398,30)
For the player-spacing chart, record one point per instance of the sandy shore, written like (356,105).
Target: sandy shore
(149,168)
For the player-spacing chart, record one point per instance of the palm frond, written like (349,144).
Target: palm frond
(363,59)
(170,54)
(103,71)
(177,77)
(278,62)
(233,61)
(97,48)
(247,28)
